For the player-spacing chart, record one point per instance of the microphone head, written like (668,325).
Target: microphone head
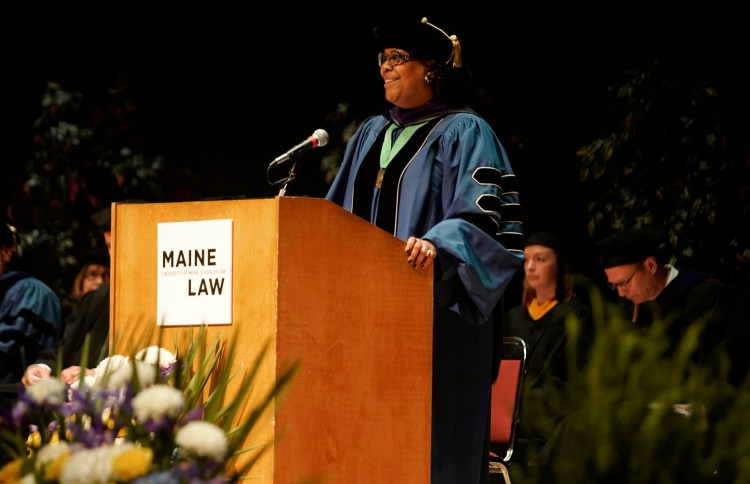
(322,136)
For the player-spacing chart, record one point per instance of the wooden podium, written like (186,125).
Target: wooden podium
(330,290)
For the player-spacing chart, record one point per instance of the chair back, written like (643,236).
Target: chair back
(506,398)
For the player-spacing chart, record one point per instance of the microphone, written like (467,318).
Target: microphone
(318,138)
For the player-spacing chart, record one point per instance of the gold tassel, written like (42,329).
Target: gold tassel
(456,55)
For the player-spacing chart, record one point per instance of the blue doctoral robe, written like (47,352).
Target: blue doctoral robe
(453,185)
(30,321)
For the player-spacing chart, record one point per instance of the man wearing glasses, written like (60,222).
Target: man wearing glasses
(634,263)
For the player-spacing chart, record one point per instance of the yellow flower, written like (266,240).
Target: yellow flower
(10,471)
(34,441)
(53,470)
(51,458)
(133,463)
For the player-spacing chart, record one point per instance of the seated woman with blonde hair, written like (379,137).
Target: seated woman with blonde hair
(548,303)
(548,300)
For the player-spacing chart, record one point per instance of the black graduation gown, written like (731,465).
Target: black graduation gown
(693,296)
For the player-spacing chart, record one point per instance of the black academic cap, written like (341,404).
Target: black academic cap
(98,256)
(422,40)
(546,238)
(630,246)
(103,218)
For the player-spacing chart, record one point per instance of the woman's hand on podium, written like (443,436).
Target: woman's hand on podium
(420,253)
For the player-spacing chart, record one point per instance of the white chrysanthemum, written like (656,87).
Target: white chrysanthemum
(92,466)
(81,384)
(124,375)
(107,366)
(29,478)
(202,439)
(50,390)
(157,401)
(155,354)
(51,452)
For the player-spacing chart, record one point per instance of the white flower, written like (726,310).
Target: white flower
(92,466)
(202,439)
(154,355)
(27,479)
(49,390)
(157,401)
(51,452)
(124,374)
(107,366)
(88,380)
(81,384)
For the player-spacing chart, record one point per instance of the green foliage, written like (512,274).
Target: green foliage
(204,374)
(85,156)
(343,123)
(673,155)
(638,412)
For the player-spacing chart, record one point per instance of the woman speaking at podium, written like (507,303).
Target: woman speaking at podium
(432,172)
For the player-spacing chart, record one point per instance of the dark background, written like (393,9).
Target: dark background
(221,91)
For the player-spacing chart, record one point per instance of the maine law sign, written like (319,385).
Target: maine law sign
(194,280)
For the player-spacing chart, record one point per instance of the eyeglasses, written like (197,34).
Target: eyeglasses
(395,59)
(619,285)
(90,276)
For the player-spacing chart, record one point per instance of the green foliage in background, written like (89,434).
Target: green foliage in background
(637,413)
(674,153)
(86,155)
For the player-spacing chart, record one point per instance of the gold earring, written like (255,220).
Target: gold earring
(429,77)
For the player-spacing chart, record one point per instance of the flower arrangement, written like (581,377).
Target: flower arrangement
(145,418)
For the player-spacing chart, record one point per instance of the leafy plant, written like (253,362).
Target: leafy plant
(638,412)
(86,155)
(673,154)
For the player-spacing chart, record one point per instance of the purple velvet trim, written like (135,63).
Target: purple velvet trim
(406,117)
